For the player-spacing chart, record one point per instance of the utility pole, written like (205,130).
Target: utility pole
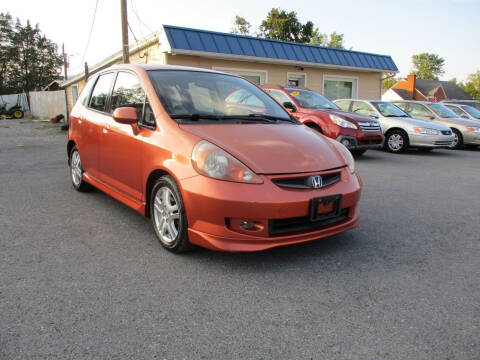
(65,62)
(125,55)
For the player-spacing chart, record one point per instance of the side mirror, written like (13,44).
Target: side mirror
(125,115)
(290,105)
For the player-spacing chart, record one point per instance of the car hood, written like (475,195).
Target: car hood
(353,117)
(424,123)
(460,121)
(272,148)
(420,123)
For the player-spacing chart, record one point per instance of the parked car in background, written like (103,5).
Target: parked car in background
(467,132)
(472,103)
(357,132)
(464,111)
(401,131)
(165,141)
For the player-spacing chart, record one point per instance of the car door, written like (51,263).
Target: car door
(121,156)
(92,125)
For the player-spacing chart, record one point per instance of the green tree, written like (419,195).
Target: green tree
(334,40)
(388,82)
(33,60)
(427,66)
(282,25)
(472,85)
(241,26)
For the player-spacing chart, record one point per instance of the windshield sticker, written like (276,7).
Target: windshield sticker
(294,93)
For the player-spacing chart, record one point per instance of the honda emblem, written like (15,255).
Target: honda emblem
(316,181)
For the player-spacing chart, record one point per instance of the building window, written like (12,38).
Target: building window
(296,80)
(259,77)
(340,87)
(74,94)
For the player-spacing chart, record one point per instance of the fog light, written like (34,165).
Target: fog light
(247,224)
(345,142)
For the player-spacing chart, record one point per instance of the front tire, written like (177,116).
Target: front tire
(168,215)
(457,141)
(18,114)
(396,141)
(76,172)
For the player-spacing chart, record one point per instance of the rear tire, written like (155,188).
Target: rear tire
(18,114)
(168,215)
(76,172)
(396,141)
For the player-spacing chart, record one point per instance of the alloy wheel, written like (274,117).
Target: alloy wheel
(76,169)
(166,215)
(455,141)
(395,142)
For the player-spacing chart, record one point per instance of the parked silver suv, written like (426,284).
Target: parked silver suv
(466,131)
(401,131)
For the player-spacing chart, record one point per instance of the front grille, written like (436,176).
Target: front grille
(369,127)
(303,224)
(446,132)
(304,182)
(370,142)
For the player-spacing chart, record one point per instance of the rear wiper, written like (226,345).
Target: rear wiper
(197,117)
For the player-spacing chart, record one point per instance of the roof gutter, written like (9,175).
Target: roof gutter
(222,56)
(110,61)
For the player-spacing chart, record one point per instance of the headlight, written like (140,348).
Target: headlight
(209,160)
(347,156)
(342,122)
(474,129)
(426,131)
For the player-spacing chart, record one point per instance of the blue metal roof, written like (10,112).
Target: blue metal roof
(181,38)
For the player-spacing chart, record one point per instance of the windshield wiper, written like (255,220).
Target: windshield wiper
(260,117)
(196,117)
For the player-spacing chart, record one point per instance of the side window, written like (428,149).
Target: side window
(402,106)
(361,107)
(128,92)
(148,117)
(100,93)
(418,110)
(456,110)
(85,93)
(279,96)
(343,104)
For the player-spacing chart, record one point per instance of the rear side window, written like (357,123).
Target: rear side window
(402,106)
(100,93)
(418,110)
(362,108)
(279,96)
(128,93)
(343,104)
(456,110)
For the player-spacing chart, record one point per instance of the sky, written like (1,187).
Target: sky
(399,28)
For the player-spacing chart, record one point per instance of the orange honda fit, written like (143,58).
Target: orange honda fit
(209,169)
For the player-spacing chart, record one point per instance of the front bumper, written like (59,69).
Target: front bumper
(430,141)
(372,141)
(470,138)
(213,207)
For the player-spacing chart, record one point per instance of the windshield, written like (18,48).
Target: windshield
(388,109)
(311,100)
(443,111)
(472,111)
(196,96)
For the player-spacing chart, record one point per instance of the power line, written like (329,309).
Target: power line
(91,30)
(134,8)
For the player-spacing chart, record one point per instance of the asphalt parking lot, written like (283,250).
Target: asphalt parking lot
(83,277)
